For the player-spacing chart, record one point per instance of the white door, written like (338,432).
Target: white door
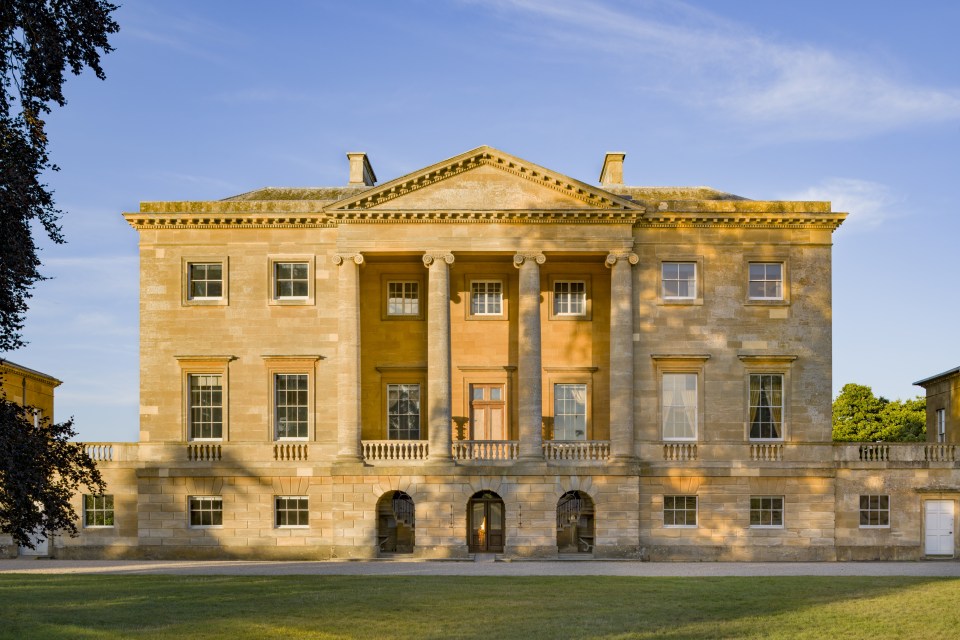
(938,518)
(39,544)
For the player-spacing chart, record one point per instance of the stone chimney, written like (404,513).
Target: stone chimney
(612,172)
(361,173)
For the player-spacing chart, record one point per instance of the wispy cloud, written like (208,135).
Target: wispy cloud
(780,89)
(868,203)
(187,34)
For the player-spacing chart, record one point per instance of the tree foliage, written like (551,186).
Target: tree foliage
(40,470)
(39,41)
(859,416)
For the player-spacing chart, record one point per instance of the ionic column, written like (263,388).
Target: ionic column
(529,368)
(348,357)
(438,356)
(621,354)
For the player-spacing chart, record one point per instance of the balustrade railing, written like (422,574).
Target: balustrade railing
(679,451)
(395,450)
(290,451)
(766,451)
(894,452)
(576,450)
(203,452)
(485,449)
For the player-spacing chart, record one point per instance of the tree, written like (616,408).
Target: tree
(40,470)
(859,416)
(39,40)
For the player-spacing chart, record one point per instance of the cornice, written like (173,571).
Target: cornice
(30,374)
(779,220)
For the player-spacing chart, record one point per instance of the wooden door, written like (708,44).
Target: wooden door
(487,412)
(938,522)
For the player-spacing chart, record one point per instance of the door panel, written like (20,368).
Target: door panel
(938,521)
(486,525)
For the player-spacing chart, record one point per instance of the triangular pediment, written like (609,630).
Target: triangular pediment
(484,179)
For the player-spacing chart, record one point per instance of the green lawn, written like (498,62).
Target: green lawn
(483,608)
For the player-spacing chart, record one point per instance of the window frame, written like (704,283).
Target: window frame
(767,258)
(941,423)
(420,421)
(692,364)
(500,280)
(684,510)
(587,407)
(186,297)
(879,510)
(291,365)
(277,511)
(783,401)
(96,509)
(191,407)
(274,297)
(213,500)
(772,510)
(697,297)
(205,365)
(664,407)
(587,313)
(399,277)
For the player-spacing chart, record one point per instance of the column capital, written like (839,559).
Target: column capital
(431,256)
(522,257)
(340,258)
(615,256)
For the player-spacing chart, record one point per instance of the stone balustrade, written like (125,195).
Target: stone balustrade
(395,450)
(291,451)
(766,451)
(577,450)
(486,450)
(679,451)
(894,453)
(110,451)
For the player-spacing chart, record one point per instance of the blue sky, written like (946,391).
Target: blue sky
(853,102)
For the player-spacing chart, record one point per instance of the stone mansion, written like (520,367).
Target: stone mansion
(487,356)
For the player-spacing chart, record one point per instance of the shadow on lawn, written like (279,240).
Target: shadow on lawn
(475,607)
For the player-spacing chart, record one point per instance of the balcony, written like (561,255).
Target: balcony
(395,450)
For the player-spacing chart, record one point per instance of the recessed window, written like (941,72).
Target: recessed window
(766,281)
(766,511)
(206,407)
(874,511)
(292,511)
(205,280)
(97,510)
(403,411)
(679,406)
(206,511)
(569,298)
(766,407)
(291,280)
(679,511)
(569,412)
(291,403)
(403,298)
(941,425)
(679,280)
(486,298)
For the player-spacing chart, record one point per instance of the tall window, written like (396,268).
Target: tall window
(206,406)
(874,511)
(569,298)
(766,406)
(206,281)
(206,511)
(766,281)
(403,298)
(403,411)
(291,280)
(486,298)
(766,511)
(679,280)
(570,412)
(941,425)
(679,406)
(291,404)
(292,511)
(679,511)
(97,511)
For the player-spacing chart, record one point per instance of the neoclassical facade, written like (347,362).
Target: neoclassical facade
(487,356)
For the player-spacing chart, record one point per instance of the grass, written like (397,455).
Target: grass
(428,607)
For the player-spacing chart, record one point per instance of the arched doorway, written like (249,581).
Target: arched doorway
(485,523)
(575,523)
(396,523)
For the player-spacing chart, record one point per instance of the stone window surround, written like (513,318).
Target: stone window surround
(204,365)
(681,363)
(697,299)
(587,315)
(505,376)
(504,297)
(185,262)
(767,365)
(386,279)
(569,375)
(291,364)
(273,298)
(767,257)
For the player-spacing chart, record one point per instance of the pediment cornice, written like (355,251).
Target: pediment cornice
(589,195)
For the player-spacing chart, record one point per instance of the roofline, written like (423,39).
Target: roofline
(33,373)
(925,381)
